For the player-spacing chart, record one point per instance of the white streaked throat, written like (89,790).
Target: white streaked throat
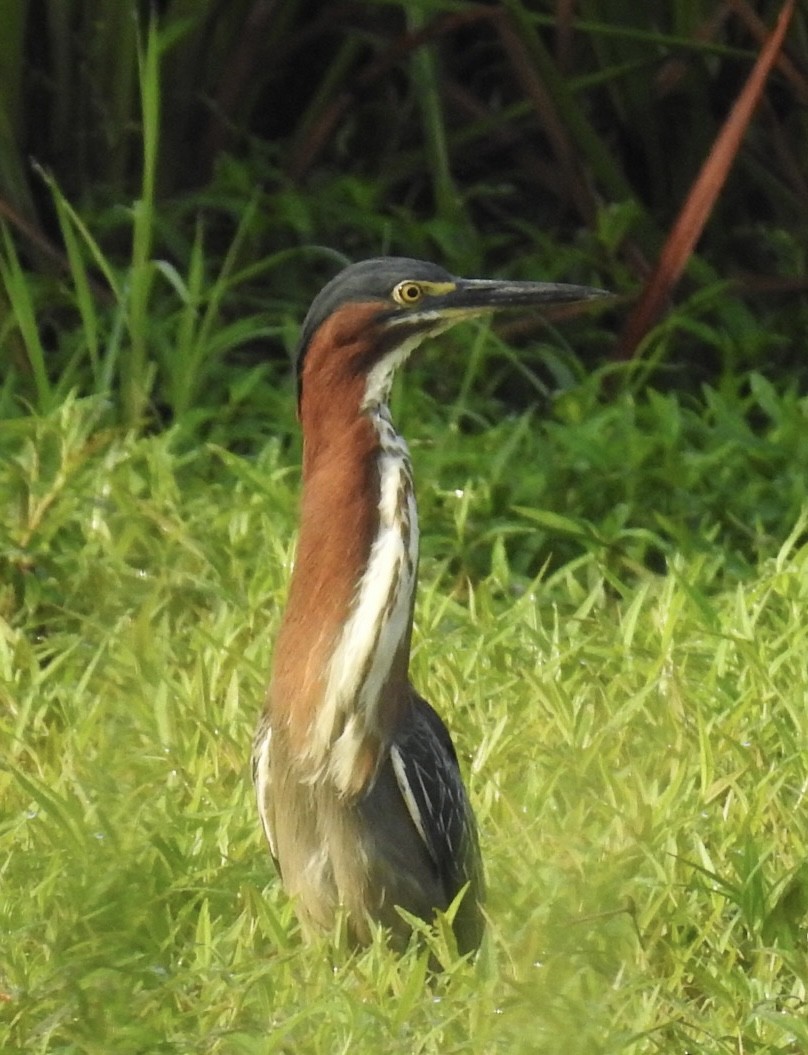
(378,621)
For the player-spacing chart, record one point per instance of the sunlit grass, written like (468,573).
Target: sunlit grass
(613,583)
(635,745)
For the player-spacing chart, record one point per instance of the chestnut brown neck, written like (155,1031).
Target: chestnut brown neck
(340,671)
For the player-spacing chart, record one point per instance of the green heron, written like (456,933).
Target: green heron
(358,783)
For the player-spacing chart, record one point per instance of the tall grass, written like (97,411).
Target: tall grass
(536,139)
(634,744)
(614,571)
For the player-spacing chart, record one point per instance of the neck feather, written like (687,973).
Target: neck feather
(340,676)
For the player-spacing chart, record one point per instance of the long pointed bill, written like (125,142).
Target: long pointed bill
(469,298)
(482,294)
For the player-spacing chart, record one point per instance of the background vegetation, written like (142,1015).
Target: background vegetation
(615,563)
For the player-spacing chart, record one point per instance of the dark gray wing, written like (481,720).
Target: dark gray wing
(428,776)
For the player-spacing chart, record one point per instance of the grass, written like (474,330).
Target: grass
(615,560)
(635,742)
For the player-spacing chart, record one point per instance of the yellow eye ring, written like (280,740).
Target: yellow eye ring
(408,293)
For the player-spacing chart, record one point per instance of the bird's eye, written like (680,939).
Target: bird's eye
(408,293)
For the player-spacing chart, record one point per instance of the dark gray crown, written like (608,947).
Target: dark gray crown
(368,280)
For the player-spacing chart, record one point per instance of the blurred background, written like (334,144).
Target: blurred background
(231,156)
